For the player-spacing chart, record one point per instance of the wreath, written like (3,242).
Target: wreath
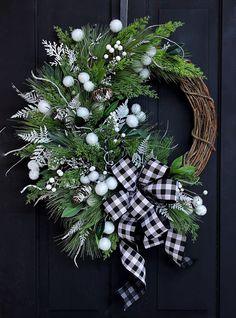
(97,162)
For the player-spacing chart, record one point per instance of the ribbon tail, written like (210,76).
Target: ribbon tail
(175,247)
(132,261)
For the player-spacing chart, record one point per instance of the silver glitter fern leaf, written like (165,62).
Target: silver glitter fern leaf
(30,97)
(25,112)
(54,50)
(36,137)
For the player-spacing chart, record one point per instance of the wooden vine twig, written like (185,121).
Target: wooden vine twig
(205,122)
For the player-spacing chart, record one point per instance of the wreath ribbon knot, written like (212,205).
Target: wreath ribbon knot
(145,192)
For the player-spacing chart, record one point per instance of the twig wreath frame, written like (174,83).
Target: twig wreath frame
(95,159)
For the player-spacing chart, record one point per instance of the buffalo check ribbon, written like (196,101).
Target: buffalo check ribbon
(145,192)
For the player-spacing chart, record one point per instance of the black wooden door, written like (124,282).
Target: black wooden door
(36,280)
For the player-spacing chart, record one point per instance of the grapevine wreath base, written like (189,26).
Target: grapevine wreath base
(95,159)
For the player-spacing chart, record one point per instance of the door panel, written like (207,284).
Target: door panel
(36,279)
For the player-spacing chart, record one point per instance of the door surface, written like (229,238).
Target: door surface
(36,279)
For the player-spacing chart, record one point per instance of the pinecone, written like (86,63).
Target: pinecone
(82,193)
(102,94)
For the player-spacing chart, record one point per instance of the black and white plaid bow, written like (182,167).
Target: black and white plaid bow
(144,191)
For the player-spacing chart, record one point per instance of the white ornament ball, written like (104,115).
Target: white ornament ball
(89,86)
(48,187)
(136,108)
(118,42)
(51,180)
(120,47)
(116,26)
(201,210)
(117,129)
(197,201)
(144,74)
(101,188)
(151,51)
(54,189)
(111,50)
(132,121)
(60,172)
(33,165)
(111,183)
(141,117)
(77,35)
(105,56)
(92,168)
(108,46)
(84,180)
(104,244)
(34,174)
(124,53)
(205,192)
(92,200)
(109,227)
(68,81)
(118,58)
(44,107)
(116,46)
(83,77)
(92,139)
(146,60)
(104,172)
(83,112)
(123,135)
(93,176)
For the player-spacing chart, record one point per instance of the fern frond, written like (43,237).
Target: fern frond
(25,112)
(36,137)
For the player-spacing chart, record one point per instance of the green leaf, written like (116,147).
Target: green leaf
(70,211)
(176,164)
(187,170)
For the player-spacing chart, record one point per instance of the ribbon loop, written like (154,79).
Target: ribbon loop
(164,190)
(152,171)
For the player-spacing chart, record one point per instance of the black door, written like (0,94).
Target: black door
(36,280)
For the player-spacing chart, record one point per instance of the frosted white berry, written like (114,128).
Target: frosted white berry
(77,35)
(116,46)
(68,81)
(197,201)
(118,42)
(136,108)
(89,86)
(109,227)
(104,244)
(146,60)
(205,192)
(124,53)
(151,51)
(118,58)
(51,180)
(34,174)
(93,176)
(92,168)
(201,210)
(104,172)
(123,135)
(105,56)
(116,26)
(144,74)
(117,129)
(84,180)
(108,46)
(132,121)
(44,107)
(91,139)
(111,183)
(33,165)
(60,172)
(54,189)
(48,187)
(83,112)
(111,50)
(120,48)
(101,188)
(83,77)
(141,117)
